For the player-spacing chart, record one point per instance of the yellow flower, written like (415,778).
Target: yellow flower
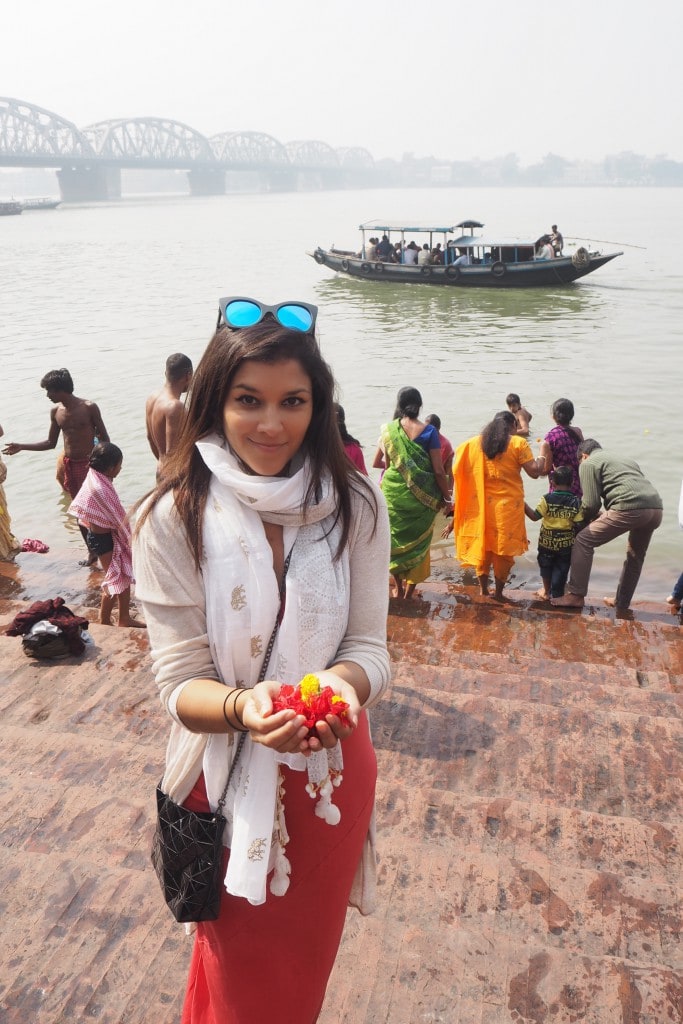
(309,688)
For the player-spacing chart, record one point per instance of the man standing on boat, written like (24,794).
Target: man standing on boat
(556,240)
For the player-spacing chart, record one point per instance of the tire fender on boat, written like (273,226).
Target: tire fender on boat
(498,269)
(345,264)
(319,256)
(365,268)
(581,258)
(426,271)
(379,268)
(453,272)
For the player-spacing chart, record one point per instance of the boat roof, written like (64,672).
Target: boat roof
(383,225)
(489,240)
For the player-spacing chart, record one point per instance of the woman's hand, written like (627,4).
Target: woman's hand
(283,731)
(448,529)
(331,729)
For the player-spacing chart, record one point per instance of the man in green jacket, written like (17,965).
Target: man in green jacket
(631,505)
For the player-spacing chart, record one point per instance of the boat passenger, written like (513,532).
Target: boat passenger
(437,254)
(371,250)
(384,249)
(424,257)
(410,254)
(463,260)
(544,250)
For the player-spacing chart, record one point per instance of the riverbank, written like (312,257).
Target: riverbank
(529,812)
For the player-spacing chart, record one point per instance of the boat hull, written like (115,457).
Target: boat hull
(537,274)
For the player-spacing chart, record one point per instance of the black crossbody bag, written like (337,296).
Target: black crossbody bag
(187,848)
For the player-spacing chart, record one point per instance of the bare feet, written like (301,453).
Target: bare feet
(483,585)
(568,601)
(133,623)
(675,604)
(410,590)
(611,603)
(542,595)
(90,560)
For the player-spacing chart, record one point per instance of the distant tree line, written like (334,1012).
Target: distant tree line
(620,169)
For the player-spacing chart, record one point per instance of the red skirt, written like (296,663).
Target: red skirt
(272,962)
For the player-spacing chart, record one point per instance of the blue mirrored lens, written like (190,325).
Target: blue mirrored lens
(296,318)
(242,314)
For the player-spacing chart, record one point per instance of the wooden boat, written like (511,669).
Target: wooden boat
(10,208)
(469,259)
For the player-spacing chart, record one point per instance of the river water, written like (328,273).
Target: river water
(109,290)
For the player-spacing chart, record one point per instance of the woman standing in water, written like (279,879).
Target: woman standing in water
(9,545)
(489,500)
(259,482)
(415,487)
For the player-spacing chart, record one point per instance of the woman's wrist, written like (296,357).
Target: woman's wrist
(230,713)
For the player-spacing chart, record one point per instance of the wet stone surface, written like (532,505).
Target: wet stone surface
(529,814)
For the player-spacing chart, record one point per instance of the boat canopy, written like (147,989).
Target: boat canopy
(379,225)
(469,241)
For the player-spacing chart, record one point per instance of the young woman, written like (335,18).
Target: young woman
(352,445)
(558,448)
(489,500)
(259,476)
(415,487)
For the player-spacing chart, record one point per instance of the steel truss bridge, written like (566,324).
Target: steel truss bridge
(89,161)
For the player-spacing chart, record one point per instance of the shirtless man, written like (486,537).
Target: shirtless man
(164,411)
(522,415)
(81,424)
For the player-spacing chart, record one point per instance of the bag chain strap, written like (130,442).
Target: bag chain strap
(262,676)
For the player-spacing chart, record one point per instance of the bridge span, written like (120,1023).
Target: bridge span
(89,161)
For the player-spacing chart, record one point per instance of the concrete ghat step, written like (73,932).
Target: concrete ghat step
(494,941)
(566,686)
(599,761)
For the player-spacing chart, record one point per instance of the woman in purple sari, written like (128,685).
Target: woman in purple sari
(559,445)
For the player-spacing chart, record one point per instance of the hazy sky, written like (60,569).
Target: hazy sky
(443,78)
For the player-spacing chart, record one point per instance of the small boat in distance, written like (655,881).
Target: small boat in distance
(41,203)
(463,258)
(10,208)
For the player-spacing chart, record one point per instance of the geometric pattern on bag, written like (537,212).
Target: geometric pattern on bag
(187,852)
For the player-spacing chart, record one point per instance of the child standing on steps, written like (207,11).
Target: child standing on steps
(108,537)
(560,512)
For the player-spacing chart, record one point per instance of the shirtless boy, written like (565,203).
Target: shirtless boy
(522,415)
(80,423)
(164,410)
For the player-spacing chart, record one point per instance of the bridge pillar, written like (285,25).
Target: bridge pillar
(206,181)
(88,184)
(282,179)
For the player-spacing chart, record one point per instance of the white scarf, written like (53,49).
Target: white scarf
(242,603)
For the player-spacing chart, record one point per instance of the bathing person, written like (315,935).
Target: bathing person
(447,451)
(489,500)
(164,410)
(560,444)
(560,512)
(103,517)
(80,423)
(630,505)
(259,477)
(415,487)
(522,415)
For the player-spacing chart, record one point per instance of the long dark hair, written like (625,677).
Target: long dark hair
(563,413)
(185,472)
(495,436)
(408,403)
(343,429)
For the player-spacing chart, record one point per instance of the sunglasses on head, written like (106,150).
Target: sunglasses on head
(236,311)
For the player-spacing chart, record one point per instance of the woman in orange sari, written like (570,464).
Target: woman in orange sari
(489,500)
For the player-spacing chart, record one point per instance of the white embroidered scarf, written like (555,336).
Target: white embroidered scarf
(242,603)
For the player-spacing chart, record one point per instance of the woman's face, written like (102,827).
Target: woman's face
(266,414)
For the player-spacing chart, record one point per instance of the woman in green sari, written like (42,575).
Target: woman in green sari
(415,488)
